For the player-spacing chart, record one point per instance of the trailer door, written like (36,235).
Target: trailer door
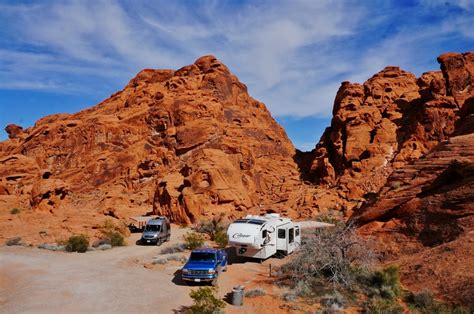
(291,240)
(282,239)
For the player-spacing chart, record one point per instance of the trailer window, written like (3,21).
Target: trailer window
(297,232)
(264,234)
(281,233)
(291,235)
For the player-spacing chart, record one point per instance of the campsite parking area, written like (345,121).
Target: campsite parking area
(119,280)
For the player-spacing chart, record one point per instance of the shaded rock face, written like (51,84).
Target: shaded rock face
(391,120)
(186,144)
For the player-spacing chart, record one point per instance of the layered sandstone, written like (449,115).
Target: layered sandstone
(187,144)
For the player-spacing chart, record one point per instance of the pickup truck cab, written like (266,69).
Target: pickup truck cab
(204,265)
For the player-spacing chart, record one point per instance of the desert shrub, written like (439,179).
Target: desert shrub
(193,240)
(205,301)
(15,211)
(387,282)
(13,241)
(221,239)
(212,227)
(175,248)
(113,234)
(331,256)
(257,292)
(423,302)
(77,243)
(382,306)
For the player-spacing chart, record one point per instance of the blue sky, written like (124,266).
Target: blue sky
(63,56)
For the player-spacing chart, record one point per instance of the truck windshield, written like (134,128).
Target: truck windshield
(152,228)
(202,257)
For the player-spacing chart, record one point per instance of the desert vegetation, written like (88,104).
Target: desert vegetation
(76,243)
(15,211)
(113,233)
(205,301)
(215,229)
(336,267)
(193,240)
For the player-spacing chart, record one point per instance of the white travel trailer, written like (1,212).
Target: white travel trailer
(263,236)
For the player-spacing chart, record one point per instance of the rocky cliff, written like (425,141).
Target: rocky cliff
(187,144)
(390,121)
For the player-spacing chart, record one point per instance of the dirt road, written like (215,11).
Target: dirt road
(121,280)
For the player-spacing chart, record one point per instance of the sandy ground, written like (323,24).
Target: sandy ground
(121,280)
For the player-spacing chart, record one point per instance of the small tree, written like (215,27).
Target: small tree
(221,239)
(335,255)
(213,228)
(205,301)
(193,240)
(114,234)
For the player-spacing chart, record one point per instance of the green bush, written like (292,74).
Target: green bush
(193,240)
(387,281)
(221,239)
(422,299)
(212,227)
(205,301)
(77,243)
(113,234)
(15,211)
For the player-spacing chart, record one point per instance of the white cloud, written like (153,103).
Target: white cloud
(291,54)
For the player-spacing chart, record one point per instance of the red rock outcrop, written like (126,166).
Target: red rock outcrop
(423,215)
(187,144)
(388,122)
(13,130)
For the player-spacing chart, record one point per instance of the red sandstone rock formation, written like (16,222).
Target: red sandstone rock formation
(187,144)
(388,122)
(423,215)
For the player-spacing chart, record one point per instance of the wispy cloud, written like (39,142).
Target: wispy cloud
(292,54)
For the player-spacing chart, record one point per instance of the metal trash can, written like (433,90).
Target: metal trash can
(238,295)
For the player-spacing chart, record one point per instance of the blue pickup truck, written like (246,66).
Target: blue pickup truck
(204,265)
